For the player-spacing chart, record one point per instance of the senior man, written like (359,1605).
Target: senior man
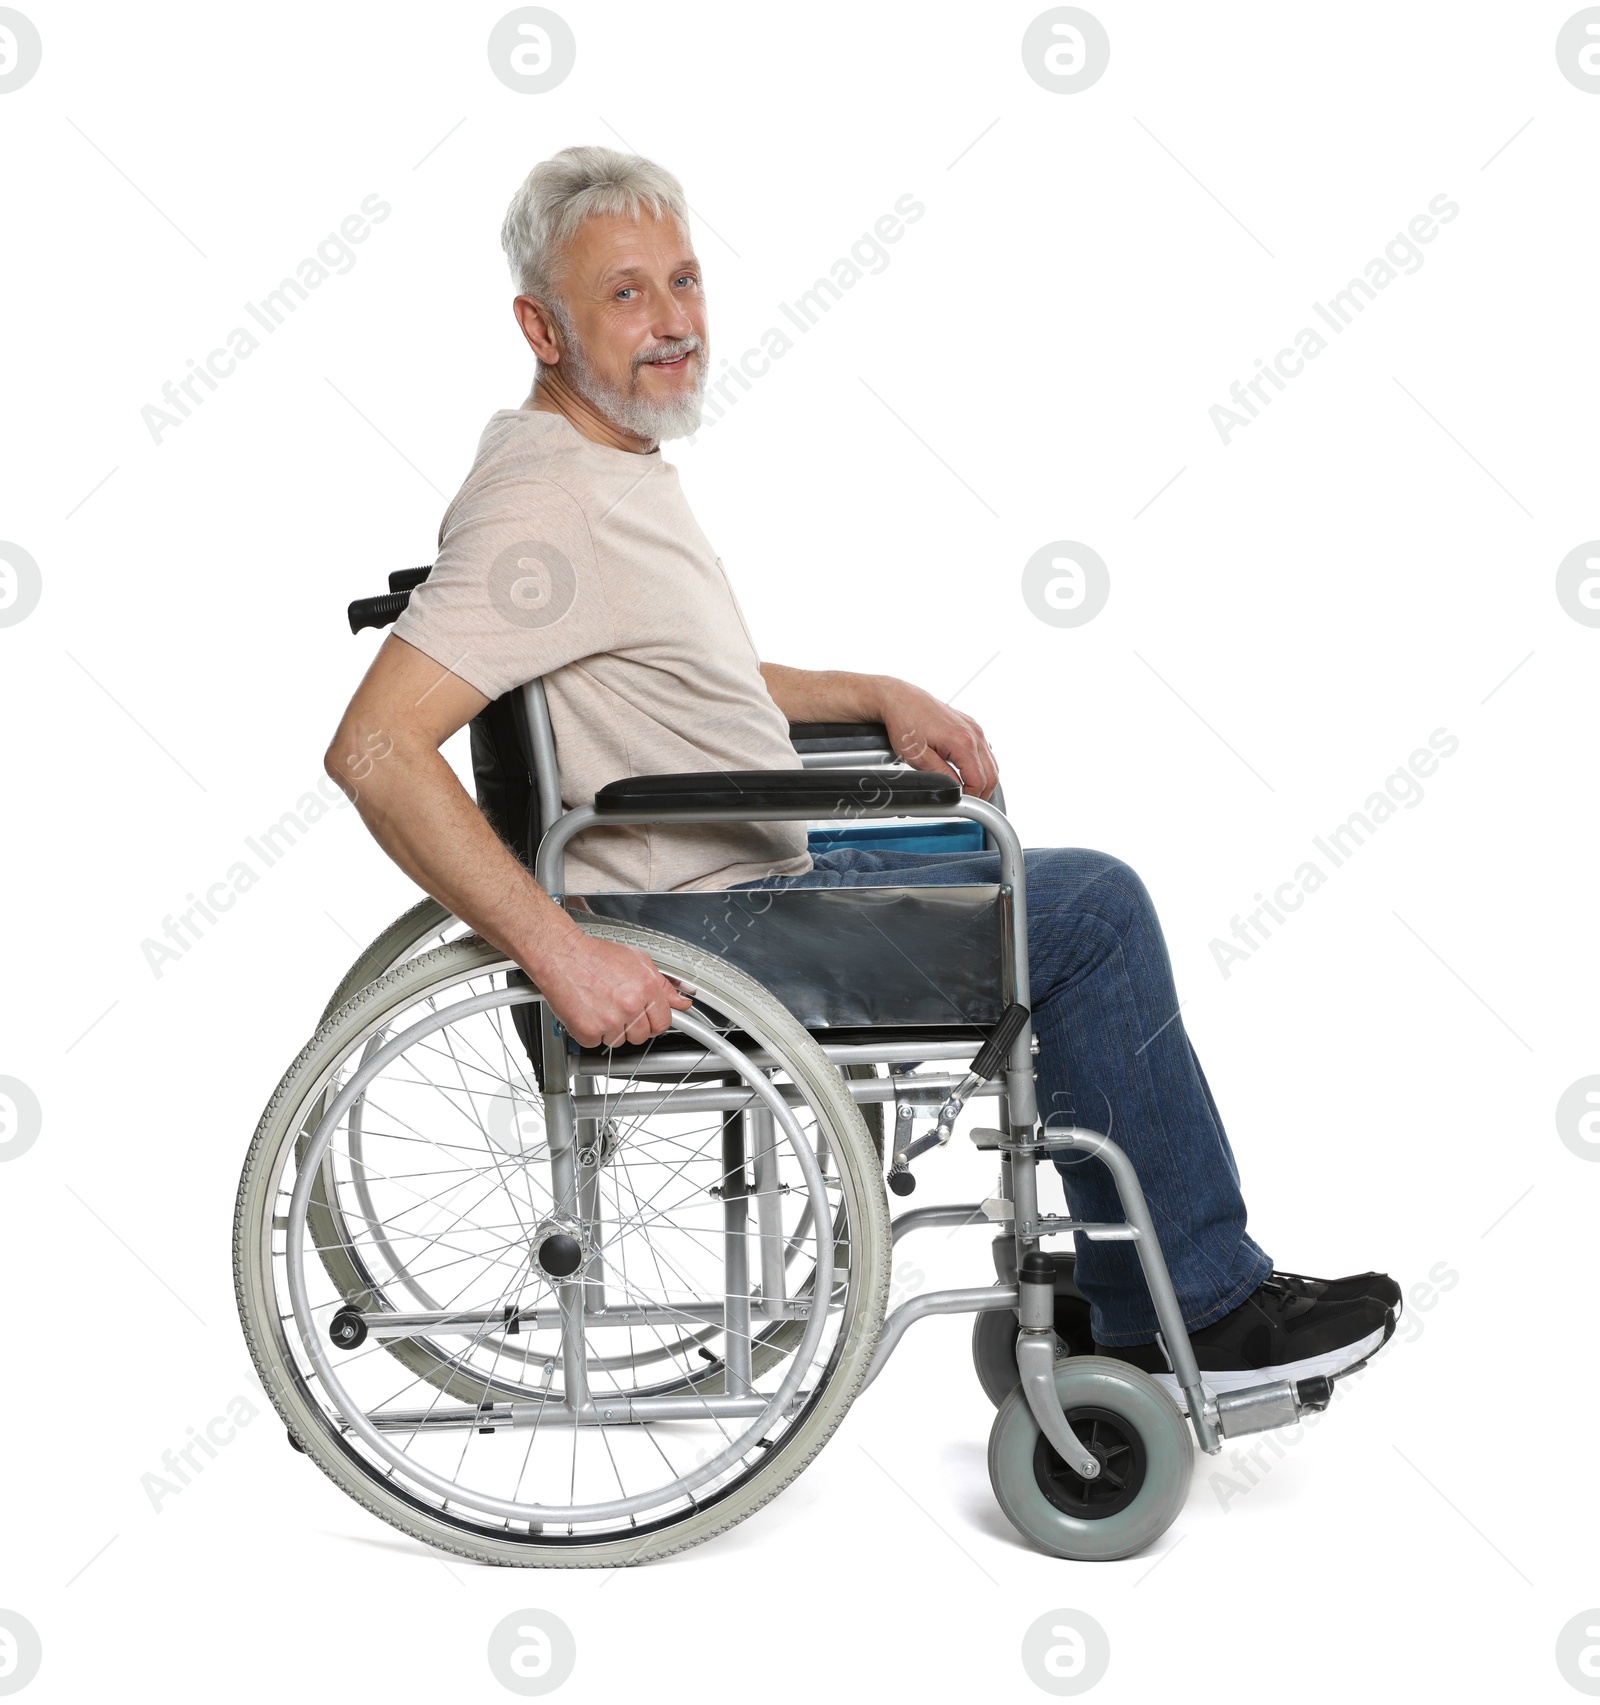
(570,554)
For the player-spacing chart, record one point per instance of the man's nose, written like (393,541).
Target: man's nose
(673,323)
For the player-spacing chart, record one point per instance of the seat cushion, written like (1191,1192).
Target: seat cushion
(960,836)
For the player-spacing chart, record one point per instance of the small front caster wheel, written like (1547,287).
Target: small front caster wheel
(1134,1431)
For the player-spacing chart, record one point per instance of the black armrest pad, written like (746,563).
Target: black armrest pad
(837,736)
(822,793)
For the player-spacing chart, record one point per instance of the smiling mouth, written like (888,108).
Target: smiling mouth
(672,366)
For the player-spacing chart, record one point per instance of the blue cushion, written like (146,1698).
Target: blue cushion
(958,837)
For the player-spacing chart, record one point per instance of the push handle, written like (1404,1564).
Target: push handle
(376,612)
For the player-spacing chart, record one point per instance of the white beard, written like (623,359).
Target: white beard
(677,417)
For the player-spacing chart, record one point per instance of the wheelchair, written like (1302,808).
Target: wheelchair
(539,1304)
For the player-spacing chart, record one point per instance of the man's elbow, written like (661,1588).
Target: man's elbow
(355,757)
(336,762)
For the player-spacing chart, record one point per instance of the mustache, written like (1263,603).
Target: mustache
(669,351)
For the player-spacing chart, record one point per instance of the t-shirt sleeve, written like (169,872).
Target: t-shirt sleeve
(515,592)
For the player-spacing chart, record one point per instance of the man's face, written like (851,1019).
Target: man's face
(634,338)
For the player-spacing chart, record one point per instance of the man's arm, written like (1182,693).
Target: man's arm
(922,730)
(386,756)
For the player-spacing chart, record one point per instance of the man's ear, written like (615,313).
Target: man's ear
(538,327)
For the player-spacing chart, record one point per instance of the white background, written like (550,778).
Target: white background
(1297,610)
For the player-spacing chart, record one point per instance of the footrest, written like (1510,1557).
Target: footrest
(1259,1408)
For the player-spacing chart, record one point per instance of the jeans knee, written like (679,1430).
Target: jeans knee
(1117,892)
(1127,884)
(1082,907)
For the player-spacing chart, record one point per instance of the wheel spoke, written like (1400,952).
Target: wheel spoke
(419,1203)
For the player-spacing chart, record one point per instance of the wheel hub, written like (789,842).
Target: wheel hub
(1118,1449)
(559,1248)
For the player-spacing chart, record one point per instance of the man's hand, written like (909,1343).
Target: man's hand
(922,729)
(928,734)
(606,994)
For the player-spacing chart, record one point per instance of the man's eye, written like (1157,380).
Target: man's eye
(686,278)
(626,290)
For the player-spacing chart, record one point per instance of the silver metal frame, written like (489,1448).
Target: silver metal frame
(1021,1148)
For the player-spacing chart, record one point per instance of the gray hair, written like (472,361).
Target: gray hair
(561,192)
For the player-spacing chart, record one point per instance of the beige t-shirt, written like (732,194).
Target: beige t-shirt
(564,559)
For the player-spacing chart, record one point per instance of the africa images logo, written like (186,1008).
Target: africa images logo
(1401,255)
(532,584)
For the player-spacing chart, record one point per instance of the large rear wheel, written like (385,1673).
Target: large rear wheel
(544,1348)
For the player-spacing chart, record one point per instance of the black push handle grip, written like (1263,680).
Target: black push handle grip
(408,579)
(991,1056)
(376,612)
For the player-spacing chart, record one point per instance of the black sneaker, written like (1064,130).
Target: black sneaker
(1379,1286)
(1072,1313)
(1281,1331)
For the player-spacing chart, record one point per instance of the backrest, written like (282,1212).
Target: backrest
(503,773)
(514,767)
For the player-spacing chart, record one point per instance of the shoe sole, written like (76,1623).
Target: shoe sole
(1331,1365)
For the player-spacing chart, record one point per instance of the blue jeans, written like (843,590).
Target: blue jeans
(1113,1056)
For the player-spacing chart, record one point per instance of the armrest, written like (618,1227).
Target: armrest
(838,736)
(822,793)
